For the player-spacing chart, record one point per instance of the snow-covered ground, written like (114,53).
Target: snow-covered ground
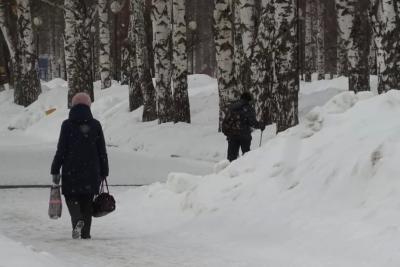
(324,193)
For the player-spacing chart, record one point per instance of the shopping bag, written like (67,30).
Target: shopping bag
(55,203)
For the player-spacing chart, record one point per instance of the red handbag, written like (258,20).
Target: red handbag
(104,203)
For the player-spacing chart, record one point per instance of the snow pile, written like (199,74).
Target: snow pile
(326,192)
(123,128)
(13,254)
(199,140)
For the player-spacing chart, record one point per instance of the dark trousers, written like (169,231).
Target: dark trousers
(236,143)
(81,209)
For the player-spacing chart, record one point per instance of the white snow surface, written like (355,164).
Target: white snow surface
(324,193)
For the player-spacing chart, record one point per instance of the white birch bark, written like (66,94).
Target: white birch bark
(162,58)
(78,22)
(5,30)
(385,25)
(262,67)
(321,39)
(143,62)
(28,87)
(180,63)
(248,25)
(224,56)
(238,50)
(69,40)
(353,24)
(131,68)
(309,40)
(285,59)
(104,41)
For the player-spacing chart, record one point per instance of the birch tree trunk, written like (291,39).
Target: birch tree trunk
(355,28)
(285,71)
(309,40)
(53,44)
(238,50)
(262,67)
(27,88)
(135,92)
(321,39)
(63,67)
(78,22)
(69,40)
(143,62)
(5,29)
(126,54)
(224,55)
(385,27)
(104,41)
(180,63)
(162,58)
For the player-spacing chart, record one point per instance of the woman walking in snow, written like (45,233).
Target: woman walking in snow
(81,153)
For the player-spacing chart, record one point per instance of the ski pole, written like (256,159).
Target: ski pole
(261,137)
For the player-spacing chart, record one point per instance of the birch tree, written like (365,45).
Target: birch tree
(105,41)
(247,16)
(239,61)
(355,29)
(143,62)
(180,63)
(310,44)
(224,55)
(135,92)
(162,58)
(385,25)
(78,21)
(285,71)
(262,67)
(320,39)
(27,89)
(6,30)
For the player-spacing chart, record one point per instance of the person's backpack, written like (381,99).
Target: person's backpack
(231,125)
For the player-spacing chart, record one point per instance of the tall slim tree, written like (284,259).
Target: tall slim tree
(143,61)
(285,71)
(135,92)
(180,63)
(78,22)
(5,29)
(247,15)
(11,45)
(387,31)
(262,65)
(224,54)
(310,39)
(321,39)
(27,88)
(356,31)
(162,57)
(105,42)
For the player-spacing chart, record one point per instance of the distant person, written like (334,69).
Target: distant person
(82,155)
(238,124)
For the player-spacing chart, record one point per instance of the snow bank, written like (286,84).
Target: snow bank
(199,140)
(13,254)
(326,192)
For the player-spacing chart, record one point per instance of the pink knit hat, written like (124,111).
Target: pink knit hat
(81,98)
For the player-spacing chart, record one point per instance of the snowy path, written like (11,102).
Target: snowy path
(29,164)
(115,243)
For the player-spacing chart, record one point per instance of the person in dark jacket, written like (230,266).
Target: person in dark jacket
(81,153)
(246,121)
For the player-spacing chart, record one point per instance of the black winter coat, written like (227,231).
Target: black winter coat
(81,152)
(248,119)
